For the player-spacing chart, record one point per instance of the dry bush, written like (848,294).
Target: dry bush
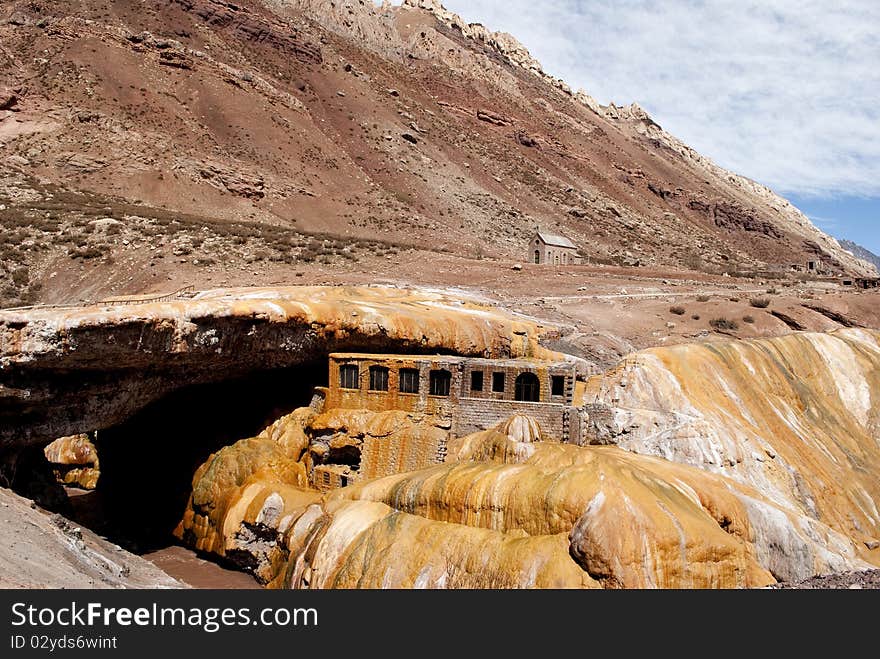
(724,324)
(760,302)
(678,311)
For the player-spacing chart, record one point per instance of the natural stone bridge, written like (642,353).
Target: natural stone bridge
(69,370)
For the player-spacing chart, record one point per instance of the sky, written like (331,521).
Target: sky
(785,92)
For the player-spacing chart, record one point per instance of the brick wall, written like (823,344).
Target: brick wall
(383,456)
(476,414)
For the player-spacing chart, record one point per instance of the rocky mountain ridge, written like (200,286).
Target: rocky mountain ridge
(398,124)
(861,252)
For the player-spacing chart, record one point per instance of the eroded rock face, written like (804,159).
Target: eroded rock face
(241,501)
(65,370)
(61,554)
(795,417)
(633,521)
(375,443)
(511,509)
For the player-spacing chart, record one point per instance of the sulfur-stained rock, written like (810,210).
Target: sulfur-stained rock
(242,499)
(510,441)
(794,417)
(628,527)
(361,544)
(74,460)
(288,432)
(148,348)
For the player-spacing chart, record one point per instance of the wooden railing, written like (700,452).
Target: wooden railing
(185,292)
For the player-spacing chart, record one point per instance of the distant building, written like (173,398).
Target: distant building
(552,249)
(867,282)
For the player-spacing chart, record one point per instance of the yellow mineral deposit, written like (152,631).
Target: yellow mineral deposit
(737,464)
(795,417)
(426,318)
(74,461)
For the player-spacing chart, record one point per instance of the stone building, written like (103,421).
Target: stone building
(472,394)
(552,249)
(442,397)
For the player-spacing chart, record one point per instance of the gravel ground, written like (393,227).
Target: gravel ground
(843,580)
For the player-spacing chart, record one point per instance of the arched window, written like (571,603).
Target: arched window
(438,382)
(537,256)
(527,387)
(556,260)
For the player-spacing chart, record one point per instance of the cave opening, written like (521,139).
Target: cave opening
(147,462)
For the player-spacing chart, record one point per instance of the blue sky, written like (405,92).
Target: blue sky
(786,92)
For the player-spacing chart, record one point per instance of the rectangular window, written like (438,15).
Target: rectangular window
(498,381)
(348,376)
(476,380)
(378,378)
(439,382)
(409,381)
(557,385)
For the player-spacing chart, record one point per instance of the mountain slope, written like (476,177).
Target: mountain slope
(861,252)
(393,124)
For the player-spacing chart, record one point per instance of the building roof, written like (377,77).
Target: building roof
(451,359)
(556,240)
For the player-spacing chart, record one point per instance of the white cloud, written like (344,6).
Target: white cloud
(786,92)
(825,223)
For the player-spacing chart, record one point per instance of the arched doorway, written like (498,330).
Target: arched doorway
(527,387)
(537,256)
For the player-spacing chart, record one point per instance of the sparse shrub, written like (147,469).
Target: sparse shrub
(724,324)
(760,302)
(696,316)
(678,311)
(748,319)
(772,291)
(734,299)
(702,298)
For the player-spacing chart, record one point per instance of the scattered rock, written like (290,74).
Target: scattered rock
(176,59)
(493,118)
(8,99)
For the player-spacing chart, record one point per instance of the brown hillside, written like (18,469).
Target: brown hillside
(236,135)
